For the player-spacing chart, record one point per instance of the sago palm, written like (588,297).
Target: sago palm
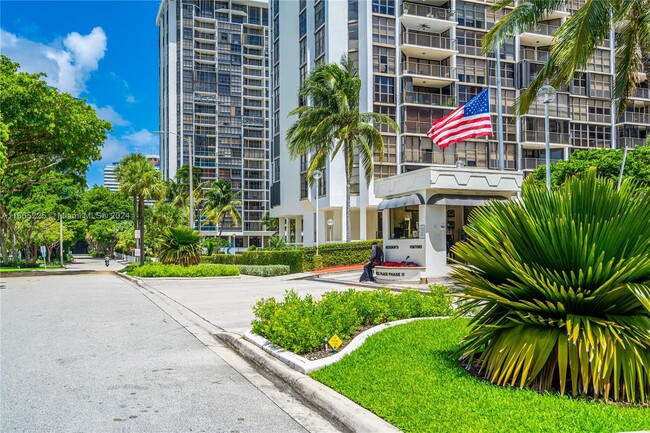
(575,41)
(561,282)
(221,201)
(180,246)
(332,121)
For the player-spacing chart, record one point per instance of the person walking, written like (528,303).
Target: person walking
(376,258)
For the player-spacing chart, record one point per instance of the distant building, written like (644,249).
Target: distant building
(110,181)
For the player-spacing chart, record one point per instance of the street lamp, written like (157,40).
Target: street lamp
(189,146)
(545,95)
(330,223)
(317,176)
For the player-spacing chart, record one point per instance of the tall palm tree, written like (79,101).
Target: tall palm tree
(220,200)
(139,178)
(577,38)
(121,174)
(333,122)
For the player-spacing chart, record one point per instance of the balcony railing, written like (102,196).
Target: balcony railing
(544,29)
(533,163)
(630,142)
(634,118)
(415,127)
(253,121)
(554,110)
(641,92)
(536,56)
(540,137)
(428,99)
(416,156)
(426,11)
(428,70)
(429,40)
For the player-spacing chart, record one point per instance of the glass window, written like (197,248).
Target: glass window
(383,30)
(302,20)
(319,14)
(384,89)
(405,222)
(383,59)
(319,44)
(386,7)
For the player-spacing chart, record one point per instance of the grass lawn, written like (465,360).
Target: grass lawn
(14,269)
(405,375)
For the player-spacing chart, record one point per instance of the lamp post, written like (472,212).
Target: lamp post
(189,146)
(620,176)
(317,176)
(545,95)
(330,223)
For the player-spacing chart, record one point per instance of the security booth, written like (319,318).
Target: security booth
(424,211)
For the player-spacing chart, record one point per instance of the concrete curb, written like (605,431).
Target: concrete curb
(306,366)
(354,417)
(19,274)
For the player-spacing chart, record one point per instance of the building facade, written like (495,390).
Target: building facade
(214,102)
(418,60)
(110,181)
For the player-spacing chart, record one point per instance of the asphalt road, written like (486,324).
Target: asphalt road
(90,353)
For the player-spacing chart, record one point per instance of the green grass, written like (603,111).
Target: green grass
(407,376)
(15,269)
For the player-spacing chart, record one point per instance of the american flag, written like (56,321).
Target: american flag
(467,121)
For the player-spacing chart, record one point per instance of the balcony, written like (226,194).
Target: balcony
(417,156)
(641,92)
(537,139)
(540,36)
(533,163)
(535,55)
(428,99)
(416,15)
(630,142)
(436,75)
(253,121)
(415,127)
(628,117)
(427,45)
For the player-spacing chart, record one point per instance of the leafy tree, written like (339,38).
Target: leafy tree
(575,41)
(563,294)
(138,178)
(104,234)
(333,122)
(607,163)
(221,201)
(100,201)
(161,217)
(50,235)
(270,224)
(180,246)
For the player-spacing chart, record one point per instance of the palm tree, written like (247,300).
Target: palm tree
(139,178)
(333,122)
(577,38)
(180,245)
(221,200)
(121,175)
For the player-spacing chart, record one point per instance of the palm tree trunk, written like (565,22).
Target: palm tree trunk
(346,156)
(220,230)
(141,214)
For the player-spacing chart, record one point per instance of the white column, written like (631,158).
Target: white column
(323,228)
(285,228)
(308,237)
(363,229)
(435,245)
(299,230)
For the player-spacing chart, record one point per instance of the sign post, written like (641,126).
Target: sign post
(44,254)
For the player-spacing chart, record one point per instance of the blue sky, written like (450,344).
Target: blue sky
(104,51)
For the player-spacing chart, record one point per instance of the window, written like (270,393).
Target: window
(319,14)
(319,44)
(353,10)
(405,222)
(384,89)
(353,36)
(579,85)
(470,15)
(302,23)
(465,93)
(383,59)
(470,42)
(599,86)
(385,7)
(303,51)
(383,30)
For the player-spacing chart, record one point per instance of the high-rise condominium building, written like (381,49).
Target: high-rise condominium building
(214,101)
(110,181)
(418,60)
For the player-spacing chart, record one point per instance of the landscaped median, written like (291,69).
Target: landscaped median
(159,270)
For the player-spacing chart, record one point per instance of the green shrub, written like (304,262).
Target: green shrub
(303,325)
(180,245)
(344,253)
(159,270)
(264,271)
(292,258)
(564,294)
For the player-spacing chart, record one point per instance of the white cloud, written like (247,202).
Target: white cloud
(130,99)
(109,114)
(114,149)
(68,64)
(143,141)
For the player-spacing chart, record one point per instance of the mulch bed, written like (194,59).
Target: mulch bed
(324,353)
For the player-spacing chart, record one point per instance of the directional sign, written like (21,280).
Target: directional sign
(137,234)
(137,251)
(335,342)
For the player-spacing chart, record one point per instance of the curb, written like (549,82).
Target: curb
(306,366)
(336,406)
(19,274)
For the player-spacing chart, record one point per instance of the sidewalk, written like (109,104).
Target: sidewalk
(83,264)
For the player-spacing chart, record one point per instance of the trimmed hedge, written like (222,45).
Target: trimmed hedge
(350,253)
(264,271)
(158,270)
(302,325)
(292,258)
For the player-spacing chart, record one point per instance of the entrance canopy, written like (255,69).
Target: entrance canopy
(401,201)
(461,200)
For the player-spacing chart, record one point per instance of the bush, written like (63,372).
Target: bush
(350,253)
(264,271)
(292,258)
(97,254)
(159,270)
(303,325)
(180,245)
(564,295)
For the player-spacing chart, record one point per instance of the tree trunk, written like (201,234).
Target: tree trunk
(141,206)
(346,155)
(3,240)
(220,231)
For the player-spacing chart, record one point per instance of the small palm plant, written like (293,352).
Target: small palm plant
(180,246)
(561,282)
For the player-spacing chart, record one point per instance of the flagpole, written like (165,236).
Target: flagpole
(499,110)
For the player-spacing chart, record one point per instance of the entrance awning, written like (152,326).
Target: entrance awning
(461,200)
(404,200)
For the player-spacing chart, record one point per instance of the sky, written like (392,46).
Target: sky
(103,51)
